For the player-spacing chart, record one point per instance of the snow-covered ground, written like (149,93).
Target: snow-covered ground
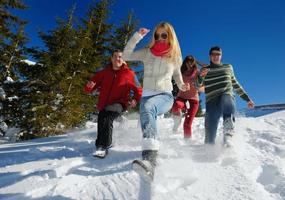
(62,167)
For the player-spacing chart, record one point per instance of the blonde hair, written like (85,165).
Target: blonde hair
(174,54)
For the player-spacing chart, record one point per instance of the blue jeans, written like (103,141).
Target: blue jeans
(150,108)
(223,105)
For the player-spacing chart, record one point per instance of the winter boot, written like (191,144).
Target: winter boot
(228,140)
(177,121)
(228,131)
(146,166)
(100,152)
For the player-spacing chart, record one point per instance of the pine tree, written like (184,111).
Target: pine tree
(124,31)
(99,30)
(12,54)
(90,53)
(73,52)
(12,38)
(51,78)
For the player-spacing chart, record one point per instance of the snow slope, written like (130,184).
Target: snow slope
(62,167)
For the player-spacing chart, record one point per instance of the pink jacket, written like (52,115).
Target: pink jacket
(193,92)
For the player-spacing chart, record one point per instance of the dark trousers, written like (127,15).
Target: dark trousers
(105,128)
(221,106)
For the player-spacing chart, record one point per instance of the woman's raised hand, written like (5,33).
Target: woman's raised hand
(143,31)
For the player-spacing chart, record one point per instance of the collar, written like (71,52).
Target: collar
(212,65)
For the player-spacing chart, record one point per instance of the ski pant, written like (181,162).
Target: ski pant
(224,106)
(190,113)
(150,108)
(105,128)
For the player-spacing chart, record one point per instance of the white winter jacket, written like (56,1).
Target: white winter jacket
(158,71)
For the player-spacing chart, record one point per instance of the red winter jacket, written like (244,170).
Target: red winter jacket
(115,86)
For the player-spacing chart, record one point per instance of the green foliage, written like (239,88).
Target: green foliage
(12,37)
(12,54)
(124,31)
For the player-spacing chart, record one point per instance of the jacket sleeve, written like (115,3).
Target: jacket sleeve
(199,81)
(136,88)
(200,87)
(177,76)
(97,79)
(129,54)
(238,88)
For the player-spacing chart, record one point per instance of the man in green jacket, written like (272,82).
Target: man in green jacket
(220,83)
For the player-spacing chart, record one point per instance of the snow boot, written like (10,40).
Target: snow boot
(177,119)
(146,166)
(100,152)
(228,140)
(228,131)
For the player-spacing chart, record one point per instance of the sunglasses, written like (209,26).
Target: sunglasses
(162,36)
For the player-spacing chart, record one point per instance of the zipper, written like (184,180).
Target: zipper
(114,76)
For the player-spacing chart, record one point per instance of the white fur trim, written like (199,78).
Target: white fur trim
(150,144)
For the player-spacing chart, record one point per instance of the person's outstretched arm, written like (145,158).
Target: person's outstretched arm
(94,82)
(129,53)
(240,91)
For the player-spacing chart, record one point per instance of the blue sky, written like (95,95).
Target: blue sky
(250,32)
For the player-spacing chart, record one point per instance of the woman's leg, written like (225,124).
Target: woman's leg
(189,117)
(178,106)
(150,108)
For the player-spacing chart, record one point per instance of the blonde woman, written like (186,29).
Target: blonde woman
(162,60)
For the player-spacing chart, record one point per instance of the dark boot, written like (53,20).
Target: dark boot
(146,166)
(150,155)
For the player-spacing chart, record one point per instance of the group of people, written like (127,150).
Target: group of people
(162,61)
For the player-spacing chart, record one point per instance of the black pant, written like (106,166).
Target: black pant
(105,128)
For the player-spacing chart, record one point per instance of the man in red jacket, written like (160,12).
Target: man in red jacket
(114,83)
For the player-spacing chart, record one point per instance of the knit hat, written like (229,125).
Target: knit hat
(216,50)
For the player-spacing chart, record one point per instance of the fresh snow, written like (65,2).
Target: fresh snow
(63,167)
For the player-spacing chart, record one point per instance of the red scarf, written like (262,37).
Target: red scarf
(160,48)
